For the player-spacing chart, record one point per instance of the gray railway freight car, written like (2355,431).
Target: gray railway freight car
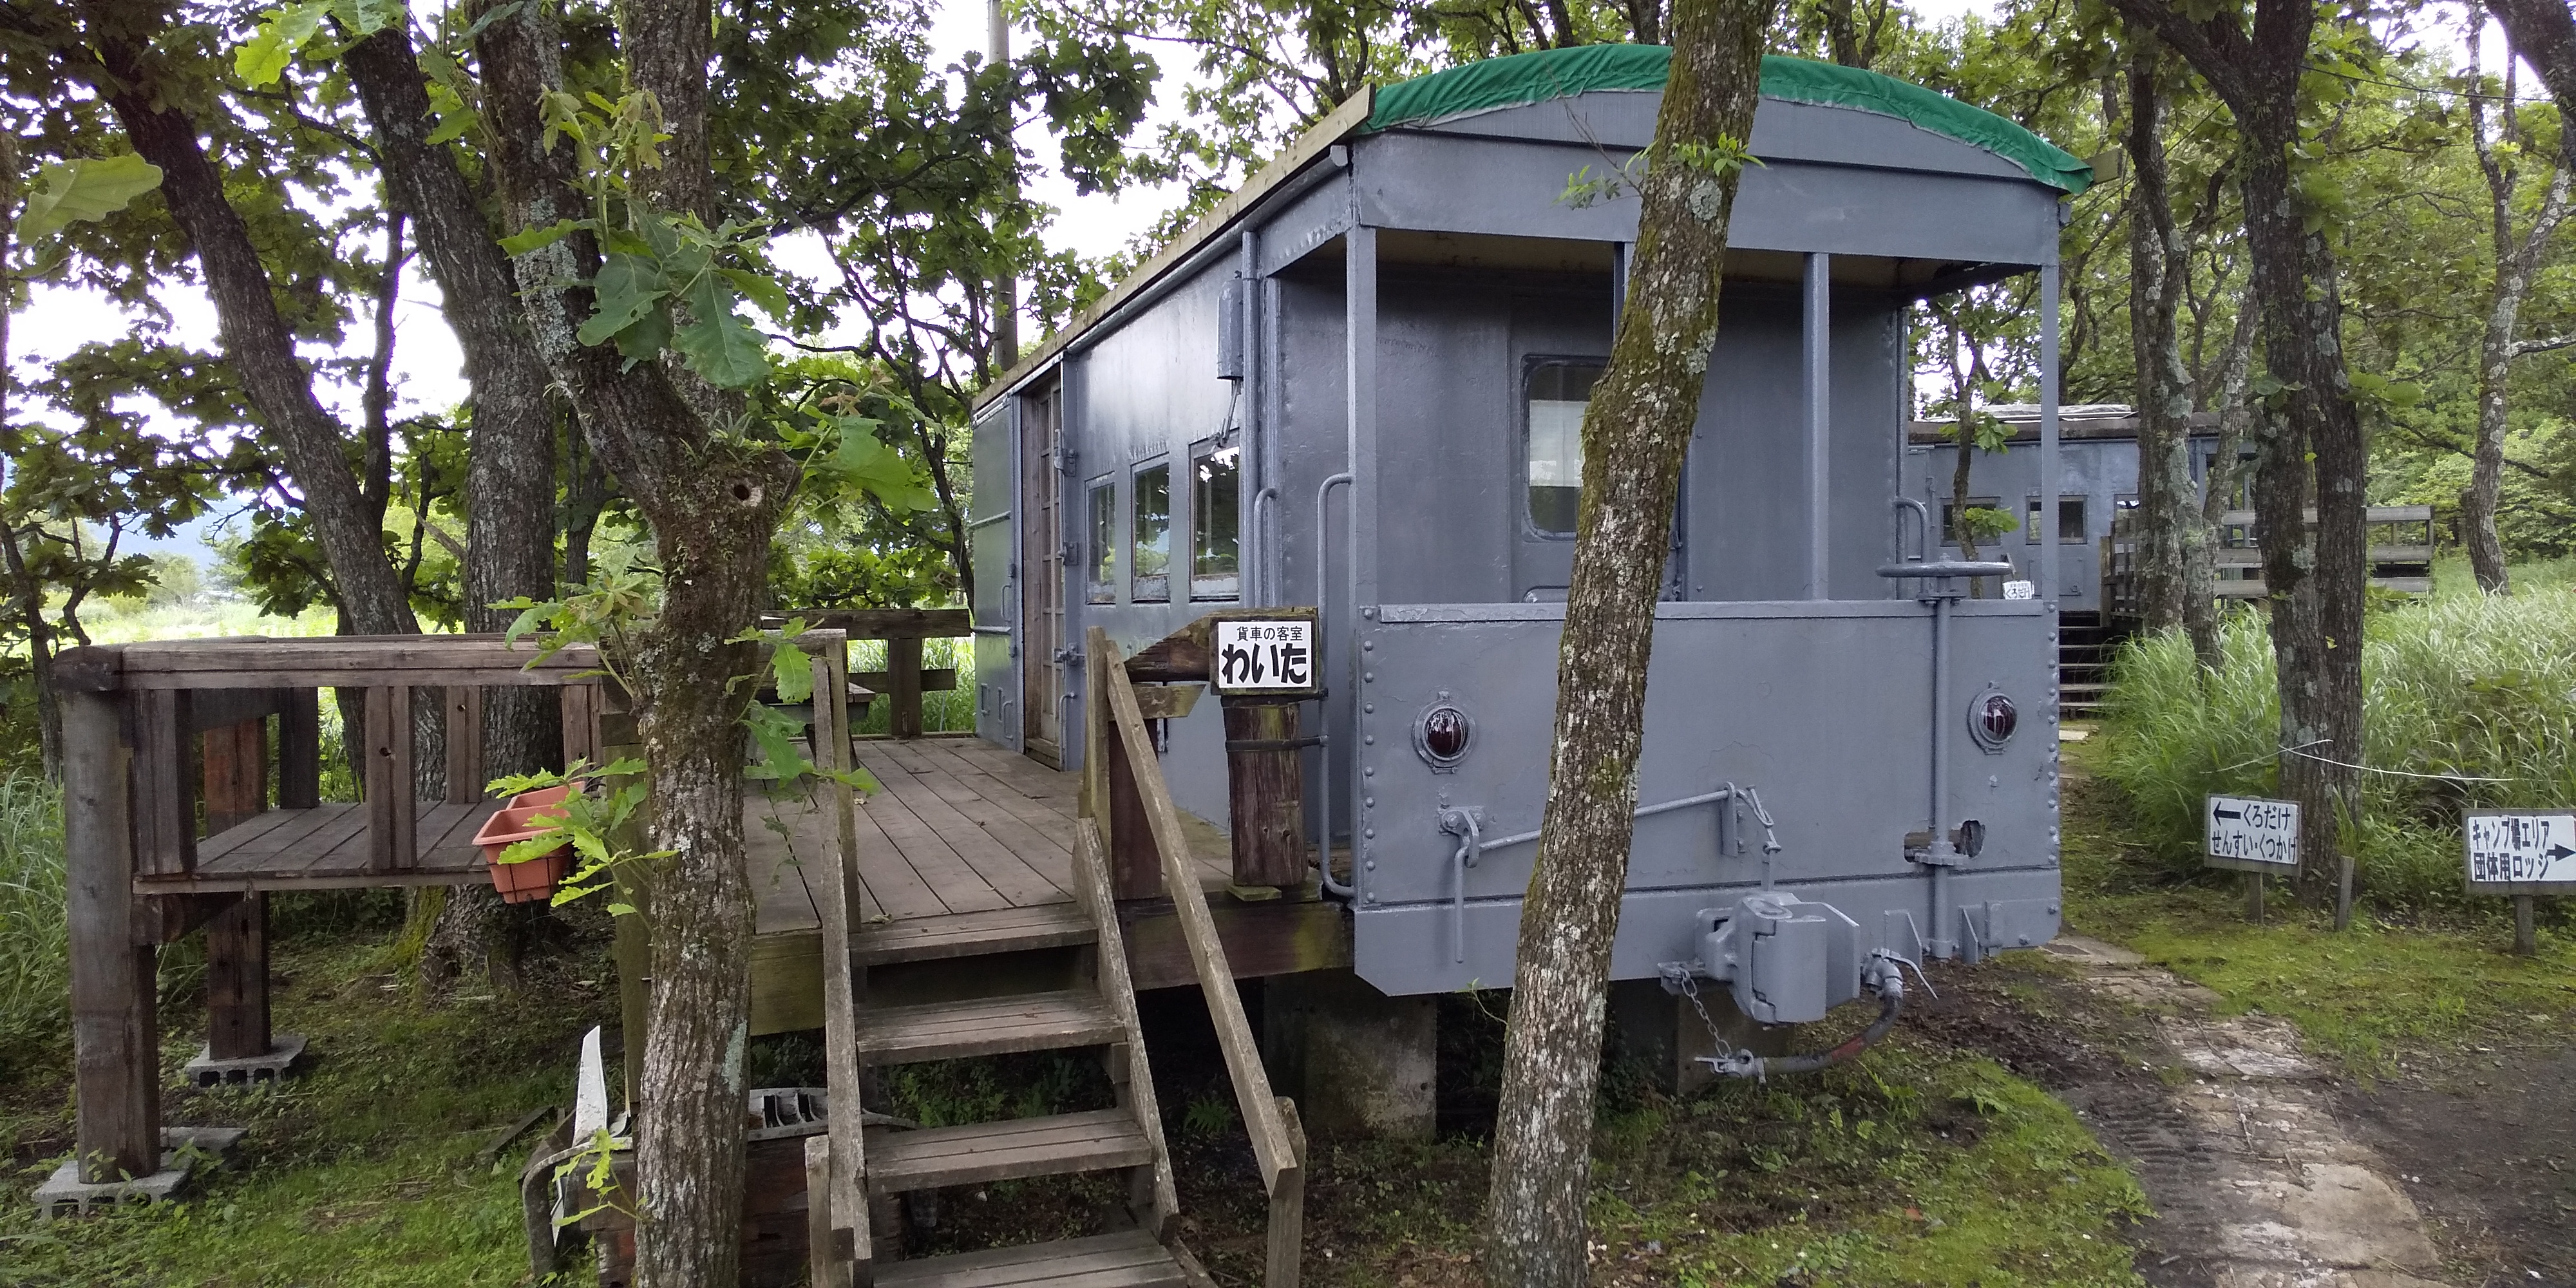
(1357,384)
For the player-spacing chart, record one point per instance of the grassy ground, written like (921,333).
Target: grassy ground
(2369,996)
(369,1170)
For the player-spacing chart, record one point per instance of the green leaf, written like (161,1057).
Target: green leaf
(775,734)
(365,18)
(539,238)
(625,292)
(270,49)
(794,672)
(764,292)
(718,344)
(68,191)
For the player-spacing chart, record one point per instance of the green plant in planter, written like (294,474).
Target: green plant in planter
(593,815)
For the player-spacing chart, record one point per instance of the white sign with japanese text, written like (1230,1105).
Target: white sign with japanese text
(1274,656)
(2248,832)
(2521,848)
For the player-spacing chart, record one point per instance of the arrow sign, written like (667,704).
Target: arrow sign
(2251,834)
(2520,851)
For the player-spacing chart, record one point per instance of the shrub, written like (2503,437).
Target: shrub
(34,941)
(2471,700)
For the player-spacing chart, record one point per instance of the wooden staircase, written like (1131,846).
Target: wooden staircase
(2085,644)
(850,1170)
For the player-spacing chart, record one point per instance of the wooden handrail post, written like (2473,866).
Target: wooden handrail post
(1288,1206)
(846,1258)
(393,801)
(903,686)
(116,1035)
(1274,1142)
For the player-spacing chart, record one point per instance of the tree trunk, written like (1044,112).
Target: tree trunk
(29,591)
(509,487)
(1634,437)
(2517,261)
(2316,595)
(2544,33)
(2218,490)
(714,504)
(2168,533)
(257,343)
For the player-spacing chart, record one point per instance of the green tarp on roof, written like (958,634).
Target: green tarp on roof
(1562,73)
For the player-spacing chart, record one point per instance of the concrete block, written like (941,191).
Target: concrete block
(1356,1060)
(183,1150)
(283,1051)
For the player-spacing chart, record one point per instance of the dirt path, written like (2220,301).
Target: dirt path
(2257,1180)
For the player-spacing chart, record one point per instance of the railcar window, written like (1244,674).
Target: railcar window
(1149,540)
(1556,396)
(1216,491)
(2070,519)
(1103,561)
(1950,515)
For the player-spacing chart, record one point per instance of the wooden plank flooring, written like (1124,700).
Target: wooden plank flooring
(325,848)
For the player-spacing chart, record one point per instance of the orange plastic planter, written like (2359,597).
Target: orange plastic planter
(529,879)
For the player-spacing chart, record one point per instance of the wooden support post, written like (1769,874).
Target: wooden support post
(299,750)
(1265,776)
(2526,936)
(237,1021)
(464,744)
(903,686)
(1288,1206)
(579,705)
(164,799)
(1135,870)
(2343,891)
(236,773)
(2254,897)
(116,1037)
(393,805)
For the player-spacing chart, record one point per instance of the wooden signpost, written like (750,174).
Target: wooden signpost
(2521,853)
(2257,837)
(1261,662)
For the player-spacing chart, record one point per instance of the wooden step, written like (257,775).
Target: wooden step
(1129,1259)
(992,1026)
(971,934)
(936,1157)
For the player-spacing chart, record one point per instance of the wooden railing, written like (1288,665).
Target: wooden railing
(904,678)
(2400,555)
(1278,1139)
(836,1161)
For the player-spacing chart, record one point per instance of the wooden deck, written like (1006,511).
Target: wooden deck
(325,848)
(967,848)
(957,826)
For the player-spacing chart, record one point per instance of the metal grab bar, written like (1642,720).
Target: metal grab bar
(1323,714)
(1469,826)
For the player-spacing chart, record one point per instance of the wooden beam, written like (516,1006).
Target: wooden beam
(299,750)
(464,743)
(881,623)
(91,668)
(393,801)
(903,686)
(339,661)
(237,1020)
(847,1170)
(116,1037)
(219,708)
(1270,1142)
(1118,989)
(164,788)
(579,705)
(1265,778)
(235,758)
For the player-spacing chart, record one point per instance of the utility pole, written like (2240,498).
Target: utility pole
(1006,287)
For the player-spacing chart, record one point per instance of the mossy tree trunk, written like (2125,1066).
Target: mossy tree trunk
(714,501)
(1634,437)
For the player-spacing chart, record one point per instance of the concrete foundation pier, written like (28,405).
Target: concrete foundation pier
(1356,1060)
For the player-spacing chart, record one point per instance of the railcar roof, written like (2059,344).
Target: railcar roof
(1522,79)
(1498,84)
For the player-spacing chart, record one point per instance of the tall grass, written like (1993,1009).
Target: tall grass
(34,940)
(2470,699)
